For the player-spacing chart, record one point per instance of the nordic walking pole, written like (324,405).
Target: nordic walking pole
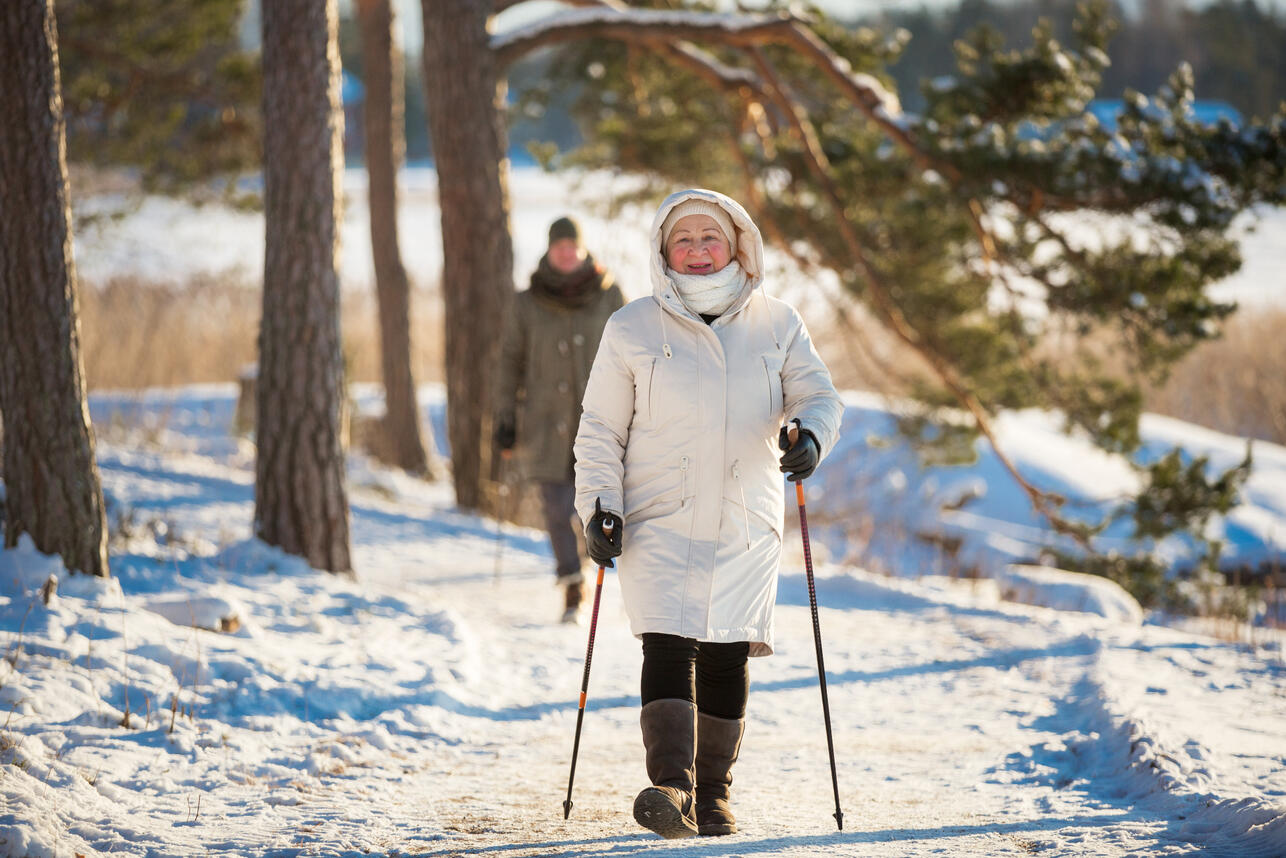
(504,491)
(817,637)
(584,683)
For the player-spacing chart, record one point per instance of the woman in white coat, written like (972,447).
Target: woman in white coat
(678,450)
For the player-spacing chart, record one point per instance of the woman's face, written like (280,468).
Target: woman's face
(697,246)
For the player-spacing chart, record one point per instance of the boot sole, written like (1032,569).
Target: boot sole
(655,811)
(715,830)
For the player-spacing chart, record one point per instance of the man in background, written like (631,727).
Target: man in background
(550,340)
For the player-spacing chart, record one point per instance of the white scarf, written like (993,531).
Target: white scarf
(710,294)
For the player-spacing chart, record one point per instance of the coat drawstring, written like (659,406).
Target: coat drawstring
(745,513)
(665,334)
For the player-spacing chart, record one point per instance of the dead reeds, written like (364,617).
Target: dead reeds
(138,334)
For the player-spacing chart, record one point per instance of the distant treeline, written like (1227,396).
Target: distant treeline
(1236,49)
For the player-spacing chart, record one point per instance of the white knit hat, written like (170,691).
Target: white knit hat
(700,207)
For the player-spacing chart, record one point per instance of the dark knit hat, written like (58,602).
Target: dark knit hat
(564,227)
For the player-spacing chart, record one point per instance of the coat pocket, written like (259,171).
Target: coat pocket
(659,493)
(772,376)
(657,509)
(644,373)
(772,523)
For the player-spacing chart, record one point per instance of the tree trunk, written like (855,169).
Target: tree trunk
(464,106)
(52,489)
(301,503)
(385,148)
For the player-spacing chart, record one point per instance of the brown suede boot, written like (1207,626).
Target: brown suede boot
(669,737)
(718,744)
(572,598)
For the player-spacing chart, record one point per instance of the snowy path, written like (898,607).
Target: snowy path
(942,714)
(426,709)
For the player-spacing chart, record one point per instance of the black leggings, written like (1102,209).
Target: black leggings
(721,673)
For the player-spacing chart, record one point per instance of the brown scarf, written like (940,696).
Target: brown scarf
(574,289)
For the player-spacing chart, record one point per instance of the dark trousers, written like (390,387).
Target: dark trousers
(715,676)
(558,501)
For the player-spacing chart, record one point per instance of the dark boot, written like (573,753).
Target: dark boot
(573,596)
(669,736)
(718,744)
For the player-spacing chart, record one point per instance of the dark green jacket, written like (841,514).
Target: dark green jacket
(548,350)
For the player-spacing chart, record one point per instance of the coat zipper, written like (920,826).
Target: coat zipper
(683,479)
(745,513)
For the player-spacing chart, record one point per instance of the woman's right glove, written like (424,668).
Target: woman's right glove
(603,535)
(800,460)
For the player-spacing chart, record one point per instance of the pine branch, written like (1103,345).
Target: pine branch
(1045,503)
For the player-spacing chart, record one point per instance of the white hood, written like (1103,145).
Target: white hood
(750,244)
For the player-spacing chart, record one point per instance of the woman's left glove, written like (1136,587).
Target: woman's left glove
(603,535)
(799,461)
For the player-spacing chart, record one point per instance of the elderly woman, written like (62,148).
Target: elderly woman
(678,450)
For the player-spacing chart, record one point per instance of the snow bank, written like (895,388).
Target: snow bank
(127,722)
(1129,759)
(24,570)
(1069,591)
(877,505)
(212,613)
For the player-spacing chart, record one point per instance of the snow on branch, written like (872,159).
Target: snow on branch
(629,24)
(709,66)
(732,30)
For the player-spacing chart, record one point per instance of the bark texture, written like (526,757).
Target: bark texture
(464,108)
(52,488)
(301,503)
(385,148)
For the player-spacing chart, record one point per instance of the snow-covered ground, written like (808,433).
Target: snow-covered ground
(428,706)
(880,507)
(166,240)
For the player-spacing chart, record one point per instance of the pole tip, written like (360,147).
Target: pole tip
(839,819)
(567,809)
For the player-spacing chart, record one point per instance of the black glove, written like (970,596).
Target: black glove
(799,461)
(603,547)
(506,433)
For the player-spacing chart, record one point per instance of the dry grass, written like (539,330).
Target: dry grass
(862,355)
(1236,384)
(137,334)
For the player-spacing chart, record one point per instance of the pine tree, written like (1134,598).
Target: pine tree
(161,87)
(301,502)
(1000,219)
(403,443)
(52,488)
(463,93)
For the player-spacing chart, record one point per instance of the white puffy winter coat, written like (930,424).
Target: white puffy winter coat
(679,437)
